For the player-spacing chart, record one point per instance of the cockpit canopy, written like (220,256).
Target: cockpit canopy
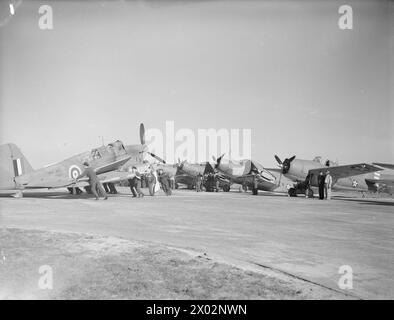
(117,145)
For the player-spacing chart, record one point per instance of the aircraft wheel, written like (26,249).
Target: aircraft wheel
(226,188)
(255,191)
(292,192)
(310,193)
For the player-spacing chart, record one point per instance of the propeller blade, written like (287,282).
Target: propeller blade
(221,157)
(218,160)
(156,157)
(142,133)
(292,158)
(278,160)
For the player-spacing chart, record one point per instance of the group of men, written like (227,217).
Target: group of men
(209,181)
(135,177)
(325,185)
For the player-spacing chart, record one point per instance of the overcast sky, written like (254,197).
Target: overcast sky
(281,68)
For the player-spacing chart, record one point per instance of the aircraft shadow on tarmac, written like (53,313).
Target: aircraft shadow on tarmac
(61,195)
(368,202)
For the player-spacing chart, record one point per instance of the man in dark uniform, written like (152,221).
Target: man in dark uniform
(94,182)
(135,183)
(320,181)
(164,181)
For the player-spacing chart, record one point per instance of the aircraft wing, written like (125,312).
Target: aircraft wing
(385,165)
(381,182)
(112,176)
(345,171)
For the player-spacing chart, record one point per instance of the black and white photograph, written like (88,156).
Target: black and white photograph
(197,155)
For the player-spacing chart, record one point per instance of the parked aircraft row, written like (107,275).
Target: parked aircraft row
(112,163)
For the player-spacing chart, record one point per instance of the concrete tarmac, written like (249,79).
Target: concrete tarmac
(306,238)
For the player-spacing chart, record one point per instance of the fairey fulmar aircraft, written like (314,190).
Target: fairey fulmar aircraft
(305,173)
(16,173)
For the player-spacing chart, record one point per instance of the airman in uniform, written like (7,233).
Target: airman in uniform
(328,185)
(95,185)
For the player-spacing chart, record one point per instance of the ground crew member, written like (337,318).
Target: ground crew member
(217,182)
(328,185)
(135,183)
(94,182)
(172,182)
(164,182)
(151,180)
(320,181)
(199,182)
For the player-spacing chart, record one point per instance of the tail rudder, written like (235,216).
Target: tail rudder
(12,164)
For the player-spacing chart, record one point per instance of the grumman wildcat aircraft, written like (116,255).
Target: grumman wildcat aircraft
(305,173)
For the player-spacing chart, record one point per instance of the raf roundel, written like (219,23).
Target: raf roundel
(74,171)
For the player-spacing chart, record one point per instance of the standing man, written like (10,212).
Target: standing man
(328,185)
(320,181)
(94,182)
(198,182)
(151,181)
(164,181)
(135,183)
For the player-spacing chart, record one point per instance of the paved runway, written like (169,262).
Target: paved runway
(307,238)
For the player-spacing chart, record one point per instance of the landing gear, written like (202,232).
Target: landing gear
(309,193)
(226,188)
(255,191)
(292,192)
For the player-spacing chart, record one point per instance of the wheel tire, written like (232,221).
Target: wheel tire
(292,192)
(255,191)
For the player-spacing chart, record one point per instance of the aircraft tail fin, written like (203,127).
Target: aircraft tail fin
(12,164)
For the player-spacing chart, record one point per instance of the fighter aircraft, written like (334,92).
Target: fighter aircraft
(383,181)
(248,173)
(16,173)
(110,162)
(190,171)
(305,172)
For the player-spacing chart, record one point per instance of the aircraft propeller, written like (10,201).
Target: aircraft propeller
(218,160)
(142,139)
(285,165)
